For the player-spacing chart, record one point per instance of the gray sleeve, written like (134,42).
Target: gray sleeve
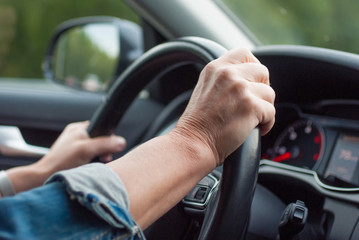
(101,190)
(94,178)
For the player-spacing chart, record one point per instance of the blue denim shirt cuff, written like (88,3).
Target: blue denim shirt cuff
(101,190)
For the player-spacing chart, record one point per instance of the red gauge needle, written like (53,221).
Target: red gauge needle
(283,157)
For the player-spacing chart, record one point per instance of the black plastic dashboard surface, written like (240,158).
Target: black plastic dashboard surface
(317,102)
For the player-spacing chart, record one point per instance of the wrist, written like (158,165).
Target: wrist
(173,163)
(195,146)
(26,177)
(42,169)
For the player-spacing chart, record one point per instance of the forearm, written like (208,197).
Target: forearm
(159,173)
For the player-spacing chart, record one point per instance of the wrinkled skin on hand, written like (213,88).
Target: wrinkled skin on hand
(231,98)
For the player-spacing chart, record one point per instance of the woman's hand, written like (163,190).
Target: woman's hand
(231,98)
(73,148)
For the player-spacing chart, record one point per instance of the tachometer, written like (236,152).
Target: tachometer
(300,144)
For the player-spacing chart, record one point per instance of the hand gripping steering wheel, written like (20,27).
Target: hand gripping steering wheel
(228,214)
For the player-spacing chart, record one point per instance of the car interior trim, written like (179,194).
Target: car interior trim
(13,144)
(188,21)
(198,205)
(267,167)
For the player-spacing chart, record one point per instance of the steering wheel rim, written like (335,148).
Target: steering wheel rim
(135,78)
(240,168)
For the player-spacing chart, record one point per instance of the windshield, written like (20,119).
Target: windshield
(322,23)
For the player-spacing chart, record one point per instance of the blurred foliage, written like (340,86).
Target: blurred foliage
(26,27)
(323,23)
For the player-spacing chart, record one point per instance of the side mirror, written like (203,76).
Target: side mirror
(90,53)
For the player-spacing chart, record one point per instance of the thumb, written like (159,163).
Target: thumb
(105,145)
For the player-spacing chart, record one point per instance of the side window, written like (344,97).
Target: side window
(27,26)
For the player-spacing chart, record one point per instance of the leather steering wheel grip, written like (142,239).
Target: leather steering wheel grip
(229,217)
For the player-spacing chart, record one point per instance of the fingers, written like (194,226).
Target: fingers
(258,86)
(262,91)
(74,148)
(267,117)
(105,146)
(253,72)
(237,56)
(257,100)
(246,66)
(101,146)
(77,126)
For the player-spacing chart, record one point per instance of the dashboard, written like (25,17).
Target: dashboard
(318,138)
(310,155)
(312,152)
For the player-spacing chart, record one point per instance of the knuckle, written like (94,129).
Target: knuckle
(272,95)
(211,67)
(226,74)
(271,112)
(240,88)
(250,103)
(265,72)
(70,126)
(269,93)
(246,54)
(261,73)
(245,51)
(74,127)
(82,134)
(274,111)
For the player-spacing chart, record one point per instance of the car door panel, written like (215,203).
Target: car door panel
(41,111)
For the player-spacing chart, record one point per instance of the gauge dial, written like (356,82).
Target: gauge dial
(300,145)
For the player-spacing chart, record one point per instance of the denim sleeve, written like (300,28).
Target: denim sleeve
(98,188)
(89,202)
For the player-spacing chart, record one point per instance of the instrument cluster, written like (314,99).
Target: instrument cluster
(317,139)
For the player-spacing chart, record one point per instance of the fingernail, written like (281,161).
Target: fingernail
(121,142)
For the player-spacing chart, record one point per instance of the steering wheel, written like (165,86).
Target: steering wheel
(228,214)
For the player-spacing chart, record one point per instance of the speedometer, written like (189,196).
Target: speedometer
(300,144)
